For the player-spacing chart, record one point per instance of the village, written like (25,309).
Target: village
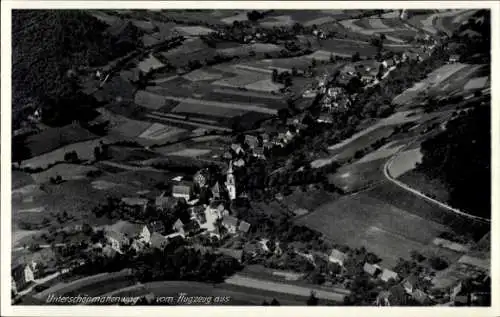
(255,152)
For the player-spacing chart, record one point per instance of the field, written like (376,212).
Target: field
(20,179)
(239,106)
(385,151)
(85,151)
(190,152)
(404,162)
(347,47)
(357,176)
(402,199)
(193,30)
(476,83)
(434,79)
(149,64)
(426,184)
(149,100)
(197,108)
(160,132)
(242,50)
(66,171)
(201,75)
(361,220)
(54,138)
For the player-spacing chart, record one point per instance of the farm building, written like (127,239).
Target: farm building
(134,204)
(337,257)
(244,226)
(165,202)
(372,269)
(388,274)
(182,191)
(120,234)
(22,275)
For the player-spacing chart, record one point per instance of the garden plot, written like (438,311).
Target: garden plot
(201,109)
(158,131)
(202,75)
(193,30)
(189,46)
(242,78)
(338,46)
(149,64)
(190,152)
(146,26)
(66,171)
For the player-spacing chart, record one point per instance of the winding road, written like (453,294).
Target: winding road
(387,175)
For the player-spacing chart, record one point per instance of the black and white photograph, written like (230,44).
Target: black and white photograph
(255,156)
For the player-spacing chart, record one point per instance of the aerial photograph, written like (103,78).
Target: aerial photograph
(267,157)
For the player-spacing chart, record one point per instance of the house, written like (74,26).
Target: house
(324,118)
(182,191)
(227,155)
(230,182)
(230,223)
(237,149)
(259,152)
(165,202)
(244,226)
(216,191)
(410,283)
(395,296)
(22,276)
(251,141)
(388,275)
(337,257)
(158,241)
(372,269)
(239,162)
(179,227)
(124,233)
(211,214)
(135,204)
(421,297)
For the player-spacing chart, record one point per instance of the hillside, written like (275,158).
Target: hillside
(460,157)
(48,46)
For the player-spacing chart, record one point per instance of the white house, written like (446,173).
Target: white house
(337,257)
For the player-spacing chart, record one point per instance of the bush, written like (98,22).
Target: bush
(438,263)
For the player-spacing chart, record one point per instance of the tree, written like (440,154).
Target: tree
(97,153)
(294,71)
(275,75)
(356,57)
(275,302)
(312,300)
(438,263)
(313,62)
(332,58)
